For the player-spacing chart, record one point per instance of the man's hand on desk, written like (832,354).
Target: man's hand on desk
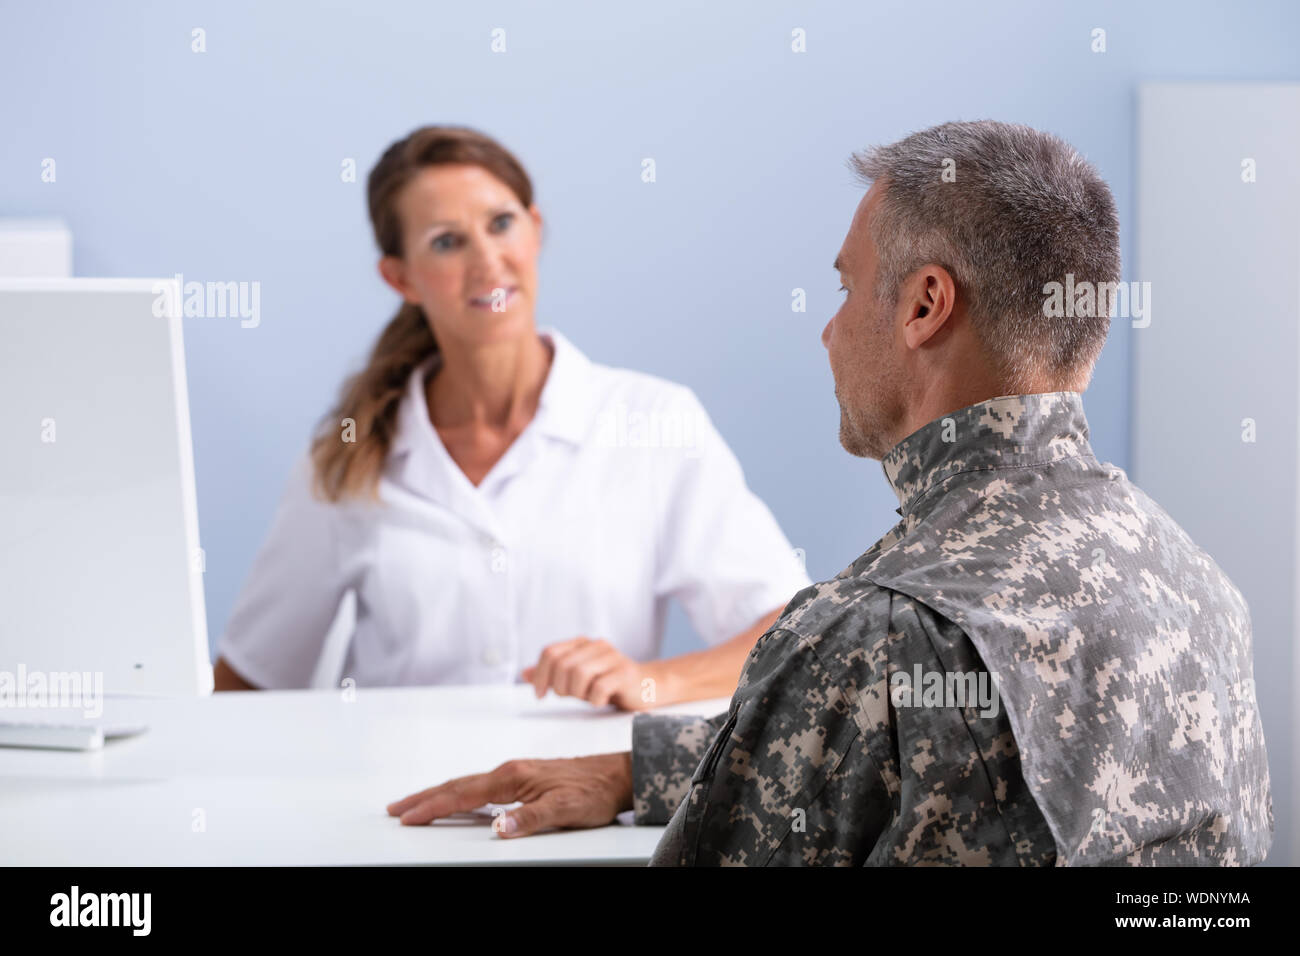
(578,792)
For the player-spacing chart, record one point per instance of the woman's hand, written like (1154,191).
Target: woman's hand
(579,792)
(595,671)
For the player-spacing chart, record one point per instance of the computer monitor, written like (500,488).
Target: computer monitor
(100,566)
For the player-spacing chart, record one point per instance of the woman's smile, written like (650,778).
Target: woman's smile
(503,295)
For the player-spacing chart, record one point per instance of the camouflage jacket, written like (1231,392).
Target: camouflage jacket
(1035,666)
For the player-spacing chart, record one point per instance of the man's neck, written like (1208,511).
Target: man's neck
(944,396)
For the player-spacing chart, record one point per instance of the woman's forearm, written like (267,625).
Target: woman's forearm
(709,673)
(225,678)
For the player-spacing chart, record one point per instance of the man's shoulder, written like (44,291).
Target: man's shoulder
(850,622)
(1031,534)
(845,601)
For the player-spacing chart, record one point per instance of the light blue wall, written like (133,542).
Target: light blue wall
(225,166)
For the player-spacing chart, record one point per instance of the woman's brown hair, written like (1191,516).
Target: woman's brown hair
(370,398)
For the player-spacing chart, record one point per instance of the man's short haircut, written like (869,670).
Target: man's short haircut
(1022,209)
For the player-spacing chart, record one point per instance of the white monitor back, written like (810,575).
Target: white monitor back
(100,565)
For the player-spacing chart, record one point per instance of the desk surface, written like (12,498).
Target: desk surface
(302,777)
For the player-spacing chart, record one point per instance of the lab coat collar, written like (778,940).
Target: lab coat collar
(565,407)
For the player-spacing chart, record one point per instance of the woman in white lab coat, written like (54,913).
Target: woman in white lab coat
(503,508)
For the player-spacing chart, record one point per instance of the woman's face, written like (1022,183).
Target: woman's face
(470,254)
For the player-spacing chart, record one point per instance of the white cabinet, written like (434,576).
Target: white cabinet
(35,248)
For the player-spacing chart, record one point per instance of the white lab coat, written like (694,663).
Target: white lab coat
(618,496)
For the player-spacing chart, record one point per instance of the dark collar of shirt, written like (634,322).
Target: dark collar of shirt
(1002,432)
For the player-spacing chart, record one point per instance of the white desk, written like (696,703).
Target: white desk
(302,777)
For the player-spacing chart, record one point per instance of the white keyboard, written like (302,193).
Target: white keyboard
(52,735)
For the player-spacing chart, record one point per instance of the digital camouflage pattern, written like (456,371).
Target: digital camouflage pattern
(1127,731)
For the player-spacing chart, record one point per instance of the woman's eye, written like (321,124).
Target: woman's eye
(444,242)
(502,222)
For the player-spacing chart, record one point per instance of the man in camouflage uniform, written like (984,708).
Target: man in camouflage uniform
(1036,665)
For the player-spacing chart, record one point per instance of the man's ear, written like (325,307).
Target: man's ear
(393,271)
(930,295)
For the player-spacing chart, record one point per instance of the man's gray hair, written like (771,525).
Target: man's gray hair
(1018,208)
